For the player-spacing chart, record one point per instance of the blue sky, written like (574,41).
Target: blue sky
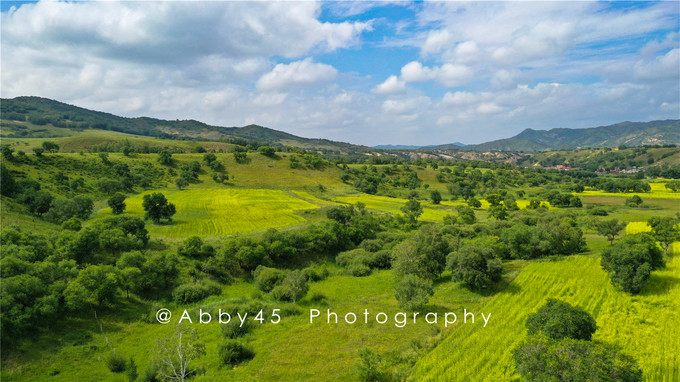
(362,72)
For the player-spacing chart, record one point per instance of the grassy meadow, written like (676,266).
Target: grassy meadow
(644,326)
(209,212)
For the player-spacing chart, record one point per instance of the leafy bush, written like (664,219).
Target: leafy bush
(359,270)
(381,259)
(598,211)
(72,224)
(194,247)
(150,374)
(234,329)
(293,288)
(267,278)
(192,292)
(116,362)
(413,292)
(316,274)
(355,256)
(369,367)
(232,352)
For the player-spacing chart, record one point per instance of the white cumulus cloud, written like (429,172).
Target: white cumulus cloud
(305,72)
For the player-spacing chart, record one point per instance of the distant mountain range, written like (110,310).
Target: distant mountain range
(407,147)
(42,111)
(625,133)
(65,115)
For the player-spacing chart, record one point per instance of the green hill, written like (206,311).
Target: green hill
(621,134)
(45,113)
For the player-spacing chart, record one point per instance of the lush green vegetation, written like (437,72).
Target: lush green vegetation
(94,243)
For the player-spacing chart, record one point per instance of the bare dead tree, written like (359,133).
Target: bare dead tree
(177,352)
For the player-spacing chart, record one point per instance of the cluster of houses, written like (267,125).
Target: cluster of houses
(616,170)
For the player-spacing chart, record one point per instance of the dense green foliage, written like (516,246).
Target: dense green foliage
(558,319)
(631,261)
(157,207)
(545,360)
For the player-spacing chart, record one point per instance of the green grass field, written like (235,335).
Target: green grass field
(221,211)
(645,326)
(393,205)
(658,191)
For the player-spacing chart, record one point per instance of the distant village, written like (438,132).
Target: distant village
(615,170)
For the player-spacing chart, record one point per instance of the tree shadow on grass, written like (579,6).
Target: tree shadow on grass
(659,285)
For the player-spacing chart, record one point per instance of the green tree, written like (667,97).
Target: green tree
(38,151)
(494,199)
(73,224)
(610,229)
(196,248)
(130,280)
(95,286)
(631,261)
(499,212)
(157,207)
(209,158)
(435,196)
(634,201)
(466,215)
(665,230)
(673,185)
(181,182)
(50,147)
(117,203)
(341,214)
(575,201)
(474,203)
(165,157)
(267,151)
(557,320)
(412,211)
(424,255)
(413,292)
(8,153)
(7,184)
(240,156)
(475,265)
(540,359)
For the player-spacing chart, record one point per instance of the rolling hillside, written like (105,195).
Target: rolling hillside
(625,133)
(42,111)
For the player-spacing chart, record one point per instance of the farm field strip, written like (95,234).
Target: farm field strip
(218,212)
(393,205)
(306,195)
(645,326)
(658,191)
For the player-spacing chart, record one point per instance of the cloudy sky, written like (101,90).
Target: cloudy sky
(361,72)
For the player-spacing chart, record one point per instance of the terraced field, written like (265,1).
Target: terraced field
(645,326)
(220,212)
